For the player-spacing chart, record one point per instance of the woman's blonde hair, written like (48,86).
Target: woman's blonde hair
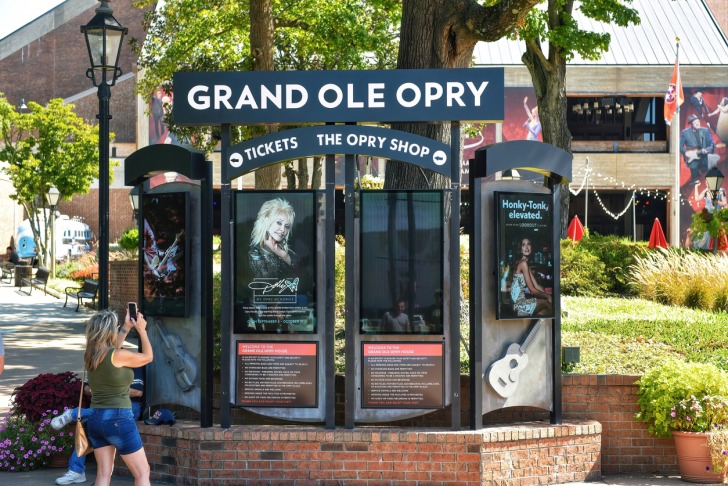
(268,212)
(101,333)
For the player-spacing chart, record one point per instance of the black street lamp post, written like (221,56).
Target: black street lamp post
(104,36)
(53,197)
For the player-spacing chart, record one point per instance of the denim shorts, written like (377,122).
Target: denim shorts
(114,427)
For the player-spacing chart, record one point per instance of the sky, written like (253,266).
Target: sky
(17,13)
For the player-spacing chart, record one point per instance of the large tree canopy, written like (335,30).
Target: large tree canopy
(206,35)
(49,146)
(443,34)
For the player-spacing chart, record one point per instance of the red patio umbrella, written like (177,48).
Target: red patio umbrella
(575,230)
(657,236)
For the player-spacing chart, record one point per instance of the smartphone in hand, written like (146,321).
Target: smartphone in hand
(132,311)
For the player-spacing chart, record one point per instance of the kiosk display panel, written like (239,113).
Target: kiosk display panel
(524,257)
(401,262)
(277,374)
(275,262)
(165,258)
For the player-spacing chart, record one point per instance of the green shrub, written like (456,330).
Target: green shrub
(582,273)
(618,255)
(664,386)
(129,240)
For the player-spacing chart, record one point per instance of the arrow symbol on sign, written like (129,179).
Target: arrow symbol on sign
(439,157)
(236,159)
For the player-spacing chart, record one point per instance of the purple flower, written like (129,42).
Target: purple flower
(673,414)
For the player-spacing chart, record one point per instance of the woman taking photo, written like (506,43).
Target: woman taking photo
(111,425)
(539,302)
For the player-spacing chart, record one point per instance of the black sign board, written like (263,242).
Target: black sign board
(524,232)
(277,374)
(414,95)
(338,139)
(402,375)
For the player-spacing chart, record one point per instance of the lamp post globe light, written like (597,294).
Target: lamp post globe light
(53,197)
(714,179)
(104,36)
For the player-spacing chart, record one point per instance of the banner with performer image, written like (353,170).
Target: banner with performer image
(275,262)
(703,133)
(164,256)
(524,233)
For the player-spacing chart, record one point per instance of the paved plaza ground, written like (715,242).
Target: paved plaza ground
(45,337)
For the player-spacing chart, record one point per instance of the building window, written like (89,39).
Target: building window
(635,119)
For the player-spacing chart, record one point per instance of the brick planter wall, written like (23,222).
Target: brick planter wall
(599,435)
(612,401)
(517,455)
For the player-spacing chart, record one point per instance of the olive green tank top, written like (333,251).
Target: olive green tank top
(109,384)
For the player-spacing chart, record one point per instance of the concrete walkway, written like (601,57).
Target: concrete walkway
(49,338)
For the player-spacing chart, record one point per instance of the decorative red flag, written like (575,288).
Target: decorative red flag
(674,96)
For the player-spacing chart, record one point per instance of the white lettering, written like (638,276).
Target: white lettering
(433,91)
(455,93)
(246,98)
(222,95)
(408,87)
(204,100)
(322,96)
(477,92)
(296,88)
(350,103)
(375,95)
(266,95)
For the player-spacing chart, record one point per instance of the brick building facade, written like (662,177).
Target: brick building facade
(46,59)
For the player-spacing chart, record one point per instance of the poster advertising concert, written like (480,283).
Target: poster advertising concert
(275,262)
(525,257)
(164,254)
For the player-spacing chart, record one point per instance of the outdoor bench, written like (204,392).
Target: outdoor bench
(89,290)
(8,271)
(40,279)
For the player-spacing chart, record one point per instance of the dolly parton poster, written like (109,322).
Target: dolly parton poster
(164,254)
(275,264)
(525,259)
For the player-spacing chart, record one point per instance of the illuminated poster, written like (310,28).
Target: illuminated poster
(525,260)
(276,374)
(402,375)
(703,137)
(275,262)
(164,254)
(401,262)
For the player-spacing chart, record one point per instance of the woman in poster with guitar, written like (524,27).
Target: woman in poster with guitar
(539,302)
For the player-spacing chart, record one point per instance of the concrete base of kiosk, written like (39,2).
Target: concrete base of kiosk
(538,452)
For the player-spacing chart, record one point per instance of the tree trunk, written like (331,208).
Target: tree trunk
(317,175)
(428,40)
(261,48)
(549,82)
(303,173)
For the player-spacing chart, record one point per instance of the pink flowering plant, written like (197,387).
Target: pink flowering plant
(27,444)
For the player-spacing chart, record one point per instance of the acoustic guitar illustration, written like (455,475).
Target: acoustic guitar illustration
(184,365)
(503,374)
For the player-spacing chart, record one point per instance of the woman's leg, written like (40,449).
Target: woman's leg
(139,467)
(104,465)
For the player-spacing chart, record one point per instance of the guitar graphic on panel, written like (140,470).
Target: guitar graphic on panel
(503,374)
